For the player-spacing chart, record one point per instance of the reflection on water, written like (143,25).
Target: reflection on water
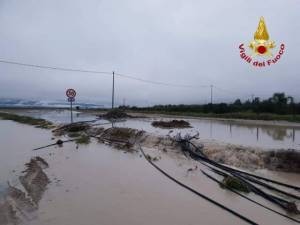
(266,136)
(58,115)
(231,132)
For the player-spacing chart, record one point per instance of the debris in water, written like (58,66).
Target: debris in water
(59,142)
(121,137)
(234,183)
(171,124)
(150,158)
(114,114)
(83,139)
(282,160)
(71,128)
(192,169)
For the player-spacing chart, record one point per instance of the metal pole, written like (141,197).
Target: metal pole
(113,92)
(71,112)
(211,94)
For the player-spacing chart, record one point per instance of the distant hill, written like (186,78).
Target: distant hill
(12,102)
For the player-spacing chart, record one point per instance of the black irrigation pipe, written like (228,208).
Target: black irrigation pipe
(186,146)
(270,187)
(274,199)
(202,157)
(198,193)
(254,181)
(251,200)
(46,146)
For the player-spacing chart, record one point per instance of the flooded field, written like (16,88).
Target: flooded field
(228,131)
(100,184)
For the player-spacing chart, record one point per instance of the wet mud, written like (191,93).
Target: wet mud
(233,155)
(19,204)
(124,138)
(71,128)
(253,158)
(115,114)
(171,124)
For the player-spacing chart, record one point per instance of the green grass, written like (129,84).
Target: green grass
(83,139)
(74,134)
(40,123)
(238,115)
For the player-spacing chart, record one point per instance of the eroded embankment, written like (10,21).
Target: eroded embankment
(171,124)
(287,160)
(17,205)
(239,156)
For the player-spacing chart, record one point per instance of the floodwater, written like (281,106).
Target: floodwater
(97,184)
(17,141)
(232,132)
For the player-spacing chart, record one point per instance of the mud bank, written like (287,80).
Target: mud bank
(171,124)
(16,205)
(39,123)
(114,115)
(234,155)
(286,160)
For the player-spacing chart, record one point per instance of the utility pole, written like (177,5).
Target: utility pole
(252,97)
(71,111)
(113,91)
(211,94)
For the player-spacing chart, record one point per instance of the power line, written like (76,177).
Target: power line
(52,68)
(158,82)
(100,72)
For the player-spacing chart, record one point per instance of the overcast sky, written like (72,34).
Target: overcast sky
(187,42)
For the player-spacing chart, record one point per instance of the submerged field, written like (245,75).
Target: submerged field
(96,182)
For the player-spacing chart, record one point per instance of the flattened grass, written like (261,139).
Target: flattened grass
(83,140)
(40,123)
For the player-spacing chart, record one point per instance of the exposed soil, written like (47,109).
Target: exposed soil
(124,138)
(71,128)
(234,155)
(283,160)
(171,124)
(114,115)
(17,205)
(35,180)
(253,158)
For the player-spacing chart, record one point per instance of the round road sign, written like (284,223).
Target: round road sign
(71,93)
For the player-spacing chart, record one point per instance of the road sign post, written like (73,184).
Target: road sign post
(71,93)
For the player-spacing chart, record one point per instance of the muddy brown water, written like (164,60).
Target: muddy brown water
(96,184)
(240,132)
(230,132)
